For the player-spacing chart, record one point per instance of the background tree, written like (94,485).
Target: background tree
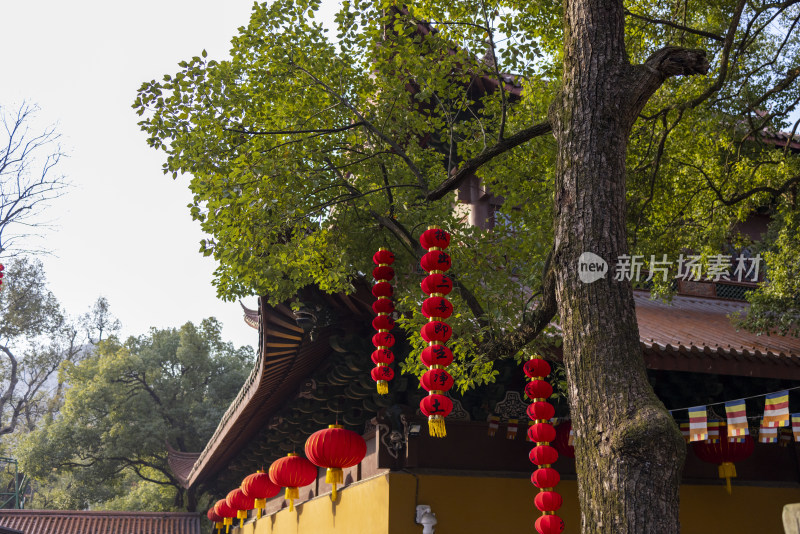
(306,155)
(123,404)
(28,181)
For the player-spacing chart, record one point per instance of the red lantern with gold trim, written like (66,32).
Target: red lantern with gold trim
(382,356)
(240,502)
(215,518)
(335,448)
(434,238)
(227,513)
(437,284)
(436,355)
(292,472)
(260,488)
(438,307)
(541,432)
(545,477)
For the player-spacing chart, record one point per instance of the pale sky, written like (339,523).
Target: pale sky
(123,229)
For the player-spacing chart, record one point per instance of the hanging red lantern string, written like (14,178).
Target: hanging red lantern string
(259,487)
(240,502)
(292,472)
(335,448)
(215,518)
(382,357)
(227,513)
(542,433)
(436,356)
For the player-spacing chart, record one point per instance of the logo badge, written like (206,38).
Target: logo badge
(591,267)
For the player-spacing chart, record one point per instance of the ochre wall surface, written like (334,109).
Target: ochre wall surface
(474,505)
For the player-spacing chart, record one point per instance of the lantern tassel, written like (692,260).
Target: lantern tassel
(292,493)
(727,471)
(260,503)
(228,521)
(333,476)
(383,387)
(436,426)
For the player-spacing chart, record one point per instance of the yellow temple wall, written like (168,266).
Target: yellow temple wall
(386,504)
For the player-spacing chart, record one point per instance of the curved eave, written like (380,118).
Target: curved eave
(286,356)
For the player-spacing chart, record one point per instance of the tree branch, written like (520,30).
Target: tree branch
(473,164)
(681,27)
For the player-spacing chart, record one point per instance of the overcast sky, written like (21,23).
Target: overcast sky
(123,229)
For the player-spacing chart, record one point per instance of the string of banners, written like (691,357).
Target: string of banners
(775,424)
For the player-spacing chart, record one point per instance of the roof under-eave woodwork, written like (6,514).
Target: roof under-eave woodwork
(91,522)
(286,356)
(695,334)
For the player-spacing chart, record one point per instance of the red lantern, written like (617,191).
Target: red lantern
(382,373)
(292,472)
(383,305)
(383,339)
(382,289)
(436,380)
(240,502)
(384,356)
(436,405)
(260,488)
(550,524)
(383,256)
(538,389)
(536,368)
(436,355)
(725,453)
(437,307)
(335,448)
(563,443)
(541,410)
(545,477)
(383,273)
(437,284)
(436,331)
(542,432)
(436,260)
(225,512)
(215,518)
(548,501)
(434,238)
(383,322)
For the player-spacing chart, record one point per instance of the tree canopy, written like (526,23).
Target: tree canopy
(124,405)
(614,127)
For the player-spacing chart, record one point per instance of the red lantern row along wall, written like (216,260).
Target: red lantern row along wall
(334,448)
(383,307)
(436,356)
(543,455)
(724,453)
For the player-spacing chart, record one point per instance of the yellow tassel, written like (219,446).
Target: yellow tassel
(292,494)
(333,492)
(227,521)
(260,503)
(727,471)
(436,427)
(334,475)
(383,387)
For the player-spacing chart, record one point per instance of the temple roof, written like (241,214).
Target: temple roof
(691,334)
(696,334)
(91,522)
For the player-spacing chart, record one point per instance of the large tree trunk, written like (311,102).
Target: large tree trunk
(629,451)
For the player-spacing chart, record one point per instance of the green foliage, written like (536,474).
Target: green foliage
(124,404)
(307,153)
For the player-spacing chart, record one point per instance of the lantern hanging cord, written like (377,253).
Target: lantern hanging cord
(740,398)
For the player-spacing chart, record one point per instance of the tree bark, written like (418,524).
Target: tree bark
(629,451)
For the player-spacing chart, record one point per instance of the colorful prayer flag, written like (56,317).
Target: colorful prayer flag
(494,423)
(713,432)
(767,434)
(796,426)
(737,419)
(698,430)
(776,409)
(511,430)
